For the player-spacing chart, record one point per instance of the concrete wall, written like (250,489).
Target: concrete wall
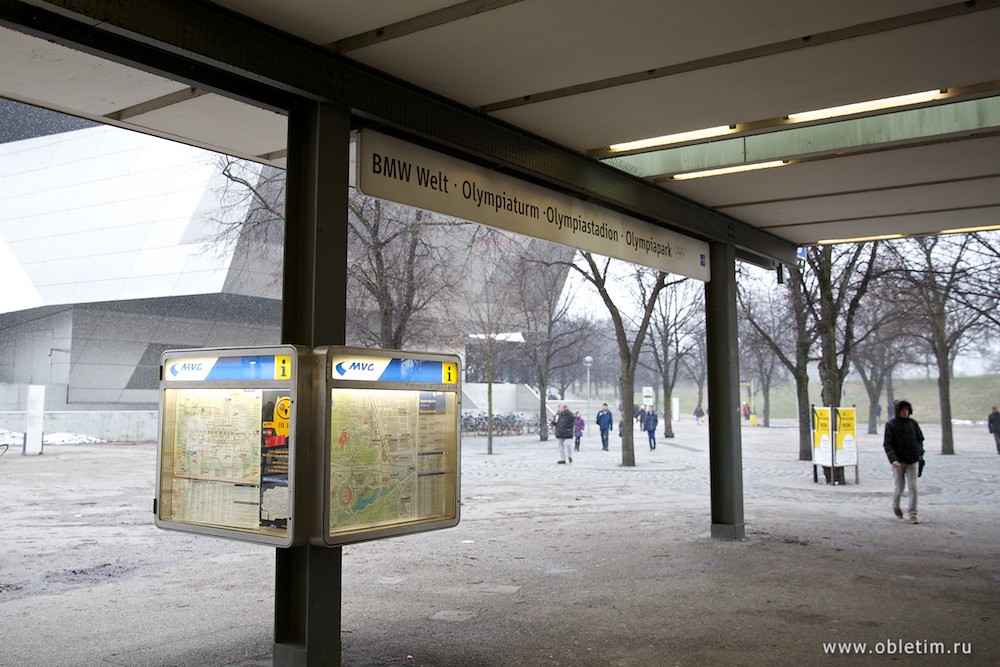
(113,426)
(506,398)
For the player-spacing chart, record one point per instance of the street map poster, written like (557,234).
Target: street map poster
(225,460)
(393,460)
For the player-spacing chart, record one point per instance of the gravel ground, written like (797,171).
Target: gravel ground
(580,564)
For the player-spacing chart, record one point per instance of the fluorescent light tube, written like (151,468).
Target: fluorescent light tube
(871,105)
(691,135)
(727,170)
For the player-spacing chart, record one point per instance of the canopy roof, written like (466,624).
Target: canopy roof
(543,88)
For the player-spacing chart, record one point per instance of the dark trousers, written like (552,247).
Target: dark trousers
(604,438)
(652,439)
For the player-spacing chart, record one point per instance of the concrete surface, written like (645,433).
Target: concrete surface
(580,564)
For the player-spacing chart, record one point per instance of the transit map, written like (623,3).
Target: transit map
(392,457)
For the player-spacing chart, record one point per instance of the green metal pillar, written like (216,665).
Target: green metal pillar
(307,595)
(725,445)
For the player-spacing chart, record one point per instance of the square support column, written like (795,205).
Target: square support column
(725,443)
(307,595)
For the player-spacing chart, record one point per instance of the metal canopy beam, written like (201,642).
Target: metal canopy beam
(207,45)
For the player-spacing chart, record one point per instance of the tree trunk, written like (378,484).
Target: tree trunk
(543,412)
(668,411)
(765,390)
(628,418)
(489,416)
(805,415)
(944,397)
(890,396)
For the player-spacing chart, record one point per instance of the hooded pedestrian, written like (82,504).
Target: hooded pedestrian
(904,445)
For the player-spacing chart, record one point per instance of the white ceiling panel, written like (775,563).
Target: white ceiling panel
(770,87)
(949,161)
(247,131)
(325,21)
(38,72)
(913,225)
(567,42)
(495,52)
(940,197)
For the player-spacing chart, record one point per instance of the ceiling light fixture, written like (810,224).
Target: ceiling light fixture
(691,135)
(871,105)
(969,230)
(860,239)
(728,170)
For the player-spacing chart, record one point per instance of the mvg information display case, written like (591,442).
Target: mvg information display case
(228,435)
(391,444)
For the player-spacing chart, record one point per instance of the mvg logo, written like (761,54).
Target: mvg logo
(177,369)
(189,369)
(360,369)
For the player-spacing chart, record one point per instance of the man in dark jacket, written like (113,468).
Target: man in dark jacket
(904,445)
(994,423)
(649,422)
(604,421)
(563,423)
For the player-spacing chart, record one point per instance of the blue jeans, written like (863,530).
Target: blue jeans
(652,439)
(604,438)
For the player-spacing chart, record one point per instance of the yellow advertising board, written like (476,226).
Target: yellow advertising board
(846,436)
(822,430)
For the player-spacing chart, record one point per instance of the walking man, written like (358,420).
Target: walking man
(604,422)
(994,423)
(904,445)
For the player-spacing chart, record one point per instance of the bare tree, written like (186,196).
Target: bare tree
(842,274)
(758,360)
(696,362)
(980,293)
(399,259)
(492,314)
(770,313)
(939,274)
(882,341)
(543,314)
(648,284)
(680,304)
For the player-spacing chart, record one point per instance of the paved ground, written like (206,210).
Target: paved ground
(582,564)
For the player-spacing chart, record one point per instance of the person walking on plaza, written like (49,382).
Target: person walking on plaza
(649,422)
(994,423)
(578,426)
(604,422)
(698,414)
(904,445)
(563,423)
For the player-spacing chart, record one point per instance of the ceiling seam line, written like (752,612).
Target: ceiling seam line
(156,104)
(416,24)
(884,215)
(775,48)
(846,193)
(903,144)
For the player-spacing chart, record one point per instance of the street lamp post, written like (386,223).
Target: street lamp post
(588,361)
